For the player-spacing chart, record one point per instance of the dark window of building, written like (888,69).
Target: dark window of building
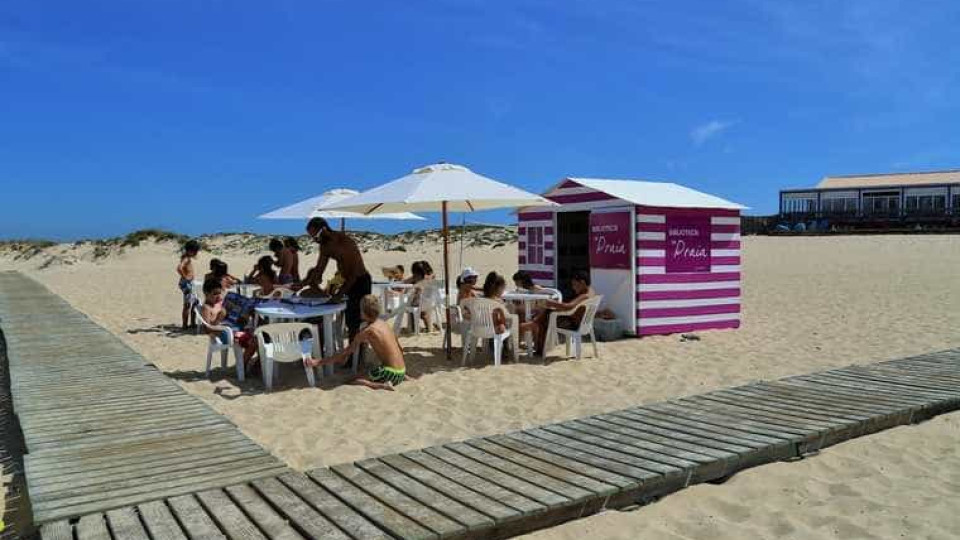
(799,206)
(925,205)
(846,205)
(882,203)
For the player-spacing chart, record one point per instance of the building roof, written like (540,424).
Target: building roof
(663,194)
(951,176)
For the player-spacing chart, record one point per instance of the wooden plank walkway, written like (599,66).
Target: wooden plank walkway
(500,486)
(102,428)
(489,487)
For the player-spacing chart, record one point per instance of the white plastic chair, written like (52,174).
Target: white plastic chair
(401,311)
(574,337)
(430,303)
(480,326)
(217,345)
(548,294)
(285,346)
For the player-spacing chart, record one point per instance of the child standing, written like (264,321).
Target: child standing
(290,269)
(185,271)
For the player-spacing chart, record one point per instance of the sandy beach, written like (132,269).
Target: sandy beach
(808,304)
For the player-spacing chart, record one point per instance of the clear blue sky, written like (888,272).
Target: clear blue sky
(198,115)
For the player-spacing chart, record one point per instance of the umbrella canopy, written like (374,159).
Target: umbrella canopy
(441,187)
(312,207)
(427,189)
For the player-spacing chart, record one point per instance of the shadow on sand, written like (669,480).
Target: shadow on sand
(166,330)
(420,361)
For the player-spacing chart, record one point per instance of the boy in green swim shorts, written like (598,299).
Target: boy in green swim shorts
(380,337)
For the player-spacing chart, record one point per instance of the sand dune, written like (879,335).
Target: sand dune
(808,304)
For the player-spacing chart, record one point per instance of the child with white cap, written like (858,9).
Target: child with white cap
(467,284)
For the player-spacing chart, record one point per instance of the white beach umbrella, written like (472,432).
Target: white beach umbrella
(441,187)
(312,207)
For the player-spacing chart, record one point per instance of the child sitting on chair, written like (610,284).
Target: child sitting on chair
(381,338)
(265,277)
(214,313)
(493,288)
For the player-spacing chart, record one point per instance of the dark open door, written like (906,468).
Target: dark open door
(573,247)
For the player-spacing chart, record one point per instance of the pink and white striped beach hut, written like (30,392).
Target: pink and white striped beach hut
(665,257)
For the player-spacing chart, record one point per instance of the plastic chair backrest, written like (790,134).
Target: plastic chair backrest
(197,289)
(590,311)
(199,313)
(204,322)
(430,294)
(481,316)
(405,299)
(285,344)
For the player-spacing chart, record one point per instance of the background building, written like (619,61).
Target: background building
(876,200)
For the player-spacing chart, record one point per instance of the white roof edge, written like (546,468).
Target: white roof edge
(650,193)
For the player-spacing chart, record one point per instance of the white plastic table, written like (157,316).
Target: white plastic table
(528,300)
(385,287)
(283,311)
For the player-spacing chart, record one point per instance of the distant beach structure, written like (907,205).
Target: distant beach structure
(666,258)
(875,201)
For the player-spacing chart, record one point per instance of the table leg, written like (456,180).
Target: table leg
(527,338)
(317,353)
(328,340)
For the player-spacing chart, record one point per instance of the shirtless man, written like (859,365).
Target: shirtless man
(381,338)
(357,282)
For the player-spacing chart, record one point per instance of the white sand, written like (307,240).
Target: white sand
(808,304)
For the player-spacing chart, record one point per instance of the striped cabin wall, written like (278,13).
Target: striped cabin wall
(686,302)
(531,226)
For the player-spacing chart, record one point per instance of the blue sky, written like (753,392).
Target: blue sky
(199,115)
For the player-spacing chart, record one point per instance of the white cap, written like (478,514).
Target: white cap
(468,273)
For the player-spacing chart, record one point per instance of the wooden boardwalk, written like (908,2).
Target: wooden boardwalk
(490,487)
(102,428)
(495,487)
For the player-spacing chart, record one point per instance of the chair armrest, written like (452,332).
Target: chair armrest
(222,328)
(570,311)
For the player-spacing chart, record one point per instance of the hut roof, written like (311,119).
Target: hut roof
(664,194)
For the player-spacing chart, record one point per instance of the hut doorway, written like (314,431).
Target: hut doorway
(573,247)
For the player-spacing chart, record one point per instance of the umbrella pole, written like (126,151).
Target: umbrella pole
(343,224)
(448,337)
